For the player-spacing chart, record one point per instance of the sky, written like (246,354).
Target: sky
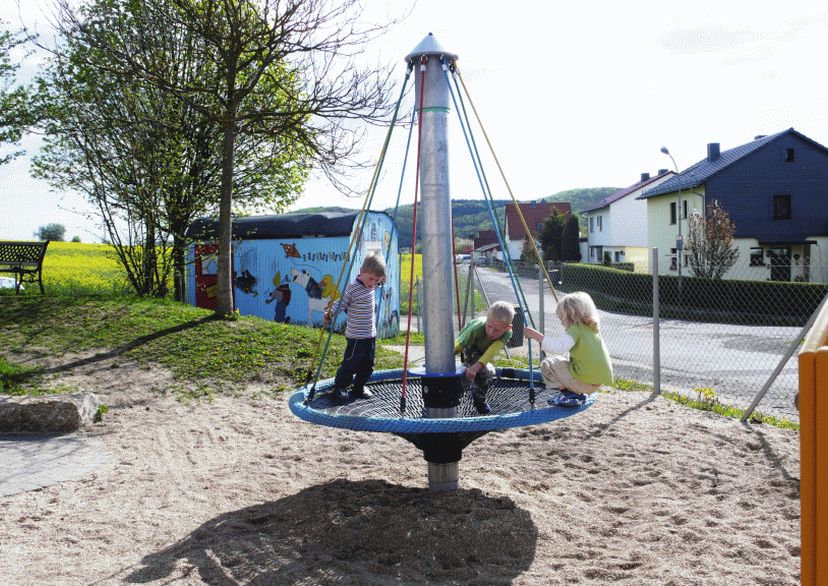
(576,94)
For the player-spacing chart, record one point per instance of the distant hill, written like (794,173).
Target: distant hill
(472,215)
(582,198)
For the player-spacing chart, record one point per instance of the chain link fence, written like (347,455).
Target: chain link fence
(715,338)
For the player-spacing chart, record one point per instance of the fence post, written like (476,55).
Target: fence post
(541,306)
(656,332)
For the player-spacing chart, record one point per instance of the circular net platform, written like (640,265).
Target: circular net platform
(508,397)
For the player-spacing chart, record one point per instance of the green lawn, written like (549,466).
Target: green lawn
(204,354)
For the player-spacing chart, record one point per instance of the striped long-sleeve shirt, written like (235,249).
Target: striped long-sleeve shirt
(358,303)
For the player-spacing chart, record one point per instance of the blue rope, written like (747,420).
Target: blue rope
(475,158)
(397,203)
(487,194)
(349,262)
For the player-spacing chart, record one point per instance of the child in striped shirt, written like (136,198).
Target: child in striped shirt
(360,330)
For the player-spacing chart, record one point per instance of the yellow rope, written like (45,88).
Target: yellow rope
(509,188)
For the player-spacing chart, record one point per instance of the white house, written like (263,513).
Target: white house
(617,225)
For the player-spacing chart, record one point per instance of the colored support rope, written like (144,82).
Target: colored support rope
(490,206)
(487,195)
(454,264)
(397,203)
(508,187)
(318,360)
(423,61)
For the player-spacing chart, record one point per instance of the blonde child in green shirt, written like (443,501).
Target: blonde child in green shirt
(588,365)
(478,343)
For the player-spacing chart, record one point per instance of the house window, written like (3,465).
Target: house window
(684,210)
(673,261)
(539,226)
(600,223)
(619,255)
(591,224)
(782,207)
(672,212)
(757,257)
(789,155)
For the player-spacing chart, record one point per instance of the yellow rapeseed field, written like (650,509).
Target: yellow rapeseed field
(75,267)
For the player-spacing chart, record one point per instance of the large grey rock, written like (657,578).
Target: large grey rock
(52,413)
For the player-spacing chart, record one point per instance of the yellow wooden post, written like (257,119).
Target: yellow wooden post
(813,451)
(821,491)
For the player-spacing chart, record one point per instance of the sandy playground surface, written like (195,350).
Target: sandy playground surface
(240,491)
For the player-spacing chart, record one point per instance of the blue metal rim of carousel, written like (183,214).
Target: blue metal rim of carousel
(375,414)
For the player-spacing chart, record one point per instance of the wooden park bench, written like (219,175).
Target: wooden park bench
(24,260)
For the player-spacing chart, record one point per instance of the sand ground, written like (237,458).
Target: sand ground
(239,491)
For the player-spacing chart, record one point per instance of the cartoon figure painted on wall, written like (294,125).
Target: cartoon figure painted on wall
(281,295)
(291,251)
(389,317)
(246,282)
(320,294)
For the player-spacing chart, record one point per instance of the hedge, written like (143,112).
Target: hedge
(695,298)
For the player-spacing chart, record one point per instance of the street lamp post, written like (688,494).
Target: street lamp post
(679,238)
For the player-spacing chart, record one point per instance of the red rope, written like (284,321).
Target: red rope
(454,264)
(423,61)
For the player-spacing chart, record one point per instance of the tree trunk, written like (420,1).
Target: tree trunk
(224,305)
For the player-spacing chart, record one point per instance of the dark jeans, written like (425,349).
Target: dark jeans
(357,364)
(484,377)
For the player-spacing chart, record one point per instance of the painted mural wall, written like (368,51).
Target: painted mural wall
(295,280)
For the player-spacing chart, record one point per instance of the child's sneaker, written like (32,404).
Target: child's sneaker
(566,399)
(479,400)
(340,395)
(361,394)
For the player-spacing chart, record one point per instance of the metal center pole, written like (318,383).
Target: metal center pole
(435,225)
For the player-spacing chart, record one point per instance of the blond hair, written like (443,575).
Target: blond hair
(374,264)
(501,311)
(578,308)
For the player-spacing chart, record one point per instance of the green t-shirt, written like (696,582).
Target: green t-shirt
(589,361)
(474,335)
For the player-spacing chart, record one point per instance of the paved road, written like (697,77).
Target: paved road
(735,361)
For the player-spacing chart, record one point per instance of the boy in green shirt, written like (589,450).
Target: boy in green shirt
(478,343)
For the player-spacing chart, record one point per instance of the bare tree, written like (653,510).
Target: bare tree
(710,242)
(284,68)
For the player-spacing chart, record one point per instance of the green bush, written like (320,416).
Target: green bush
(696,299)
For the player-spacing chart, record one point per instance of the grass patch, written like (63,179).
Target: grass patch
(17,380)
(706,400)
(417,339)
(206,356)
(13,377)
